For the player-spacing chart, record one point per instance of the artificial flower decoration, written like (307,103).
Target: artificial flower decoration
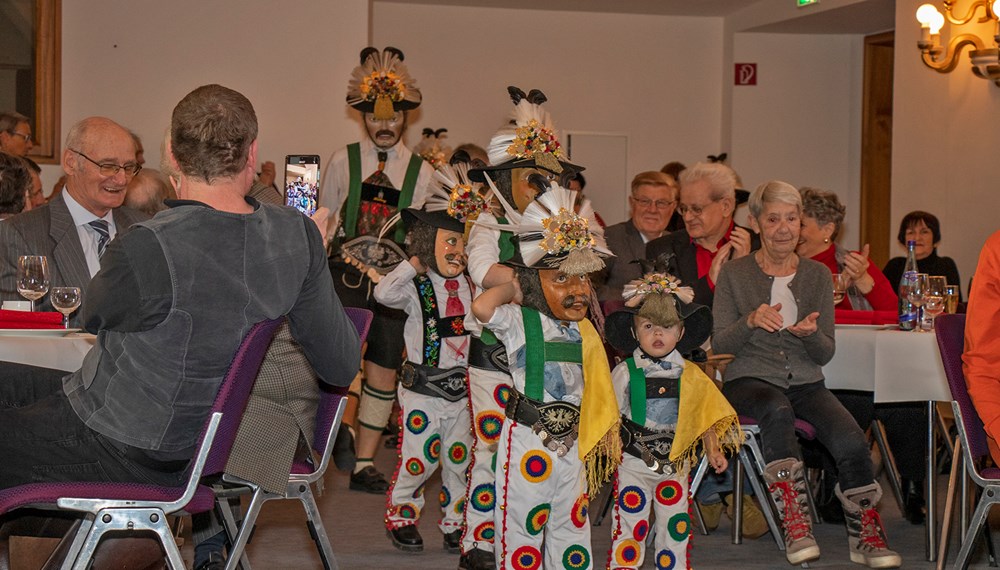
(381,84)
(635,291)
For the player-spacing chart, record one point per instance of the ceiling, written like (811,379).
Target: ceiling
(861,18)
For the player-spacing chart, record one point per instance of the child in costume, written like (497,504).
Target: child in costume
(434,291)
(525,155)
(560,438)
(668,407)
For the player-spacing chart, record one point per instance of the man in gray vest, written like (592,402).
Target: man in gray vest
(367,183)
(134,410)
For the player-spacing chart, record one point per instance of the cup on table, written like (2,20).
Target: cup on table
(934,299)
(951,299)
(17,305)
(32,277)
(65,300)
(839,287)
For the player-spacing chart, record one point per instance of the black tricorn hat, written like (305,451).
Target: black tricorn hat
(438,219)
(618,327)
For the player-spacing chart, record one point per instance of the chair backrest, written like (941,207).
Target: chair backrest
(950,332)
(234,392)
(329,400)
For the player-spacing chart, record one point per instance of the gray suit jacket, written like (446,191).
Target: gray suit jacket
(50,231)
(625,241)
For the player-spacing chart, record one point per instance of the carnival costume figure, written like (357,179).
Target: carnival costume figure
(560,437)
(367,183)
(525,155)
(671,412)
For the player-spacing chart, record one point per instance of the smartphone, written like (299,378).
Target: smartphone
(302,182)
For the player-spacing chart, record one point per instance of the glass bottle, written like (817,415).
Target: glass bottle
(907,311)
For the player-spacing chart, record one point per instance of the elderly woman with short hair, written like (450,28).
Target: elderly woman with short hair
(773,311)
(822,217)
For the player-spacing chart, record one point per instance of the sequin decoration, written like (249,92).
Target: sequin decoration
(416,422)
(488,426)
(627,553)
(536,466)
(526,558)
(631,499)
(483,497)
(679,526)
(669,492)
(432,448)
(537,517)
(575,557)
(579,513)
(458,453)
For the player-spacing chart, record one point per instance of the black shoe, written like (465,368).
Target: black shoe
(215,562)
(453,541)
(477,559)
(406,538)
(913,500)
(343,450)
(369,480)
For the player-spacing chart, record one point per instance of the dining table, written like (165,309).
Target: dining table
(896,366)
(50,348)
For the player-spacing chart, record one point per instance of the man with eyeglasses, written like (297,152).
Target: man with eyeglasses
(15,134)
(365,185)
(74,229)
(651,204)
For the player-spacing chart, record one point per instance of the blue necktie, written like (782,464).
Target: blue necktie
(103,230)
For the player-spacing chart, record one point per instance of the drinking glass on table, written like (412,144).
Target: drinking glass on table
(32,277)
(839,287)
(951,299)
(934,298)
(65,300)
(916,297)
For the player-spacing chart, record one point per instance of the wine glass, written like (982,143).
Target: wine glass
(65,300)
(839,287)
(934,298)
(916,296)
(951,299)
(32,277)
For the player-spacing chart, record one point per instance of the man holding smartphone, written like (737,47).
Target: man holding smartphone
(367,182)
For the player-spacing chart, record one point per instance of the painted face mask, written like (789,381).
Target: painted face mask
(567,296)
(449,253)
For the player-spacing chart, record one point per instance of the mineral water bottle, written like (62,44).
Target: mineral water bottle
(907,311)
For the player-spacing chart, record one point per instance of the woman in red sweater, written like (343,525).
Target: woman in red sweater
(822,215)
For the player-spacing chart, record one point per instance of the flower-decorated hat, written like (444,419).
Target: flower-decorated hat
(432,148)
(381,84)
(659,297)
(453,200)
(528,140)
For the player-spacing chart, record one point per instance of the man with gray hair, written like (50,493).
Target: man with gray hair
(148,190)
(15,133)
(710,237)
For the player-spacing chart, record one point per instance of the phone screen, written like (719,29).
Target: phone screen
(302,182)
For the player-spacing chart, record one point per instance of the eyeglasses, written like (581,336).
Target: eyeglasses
(25,136)
(108,169)
(695,211)
(660,204)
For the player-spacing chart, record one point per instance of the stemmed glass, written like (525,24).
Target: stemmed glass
(934,298)
(916,297)
(65,300)
(839,287)
(32,277)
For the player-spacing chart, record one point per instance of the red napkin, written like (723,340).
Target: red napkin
(30,320)
(885,318)
(846,317)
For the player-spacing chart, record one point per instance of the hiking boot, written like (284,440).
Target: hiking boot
(787,487)
(865,534)
(754,523)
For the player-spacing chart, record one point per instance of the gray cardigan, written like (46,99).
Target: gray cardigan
(781,358)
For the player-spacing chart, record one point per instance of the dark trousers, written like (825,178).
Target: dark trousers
(44,440)
(775,410)
(385,336)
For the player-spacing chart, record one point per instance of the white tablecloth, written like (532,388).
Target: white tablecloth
(58,352)
(897,366)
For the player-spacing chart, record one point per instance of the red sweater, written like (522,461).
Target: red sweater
(881,297)
(982,341)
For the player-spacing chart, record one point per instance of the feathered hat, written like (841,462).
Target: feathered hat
(381,84)
(431,147)
(528,140)
(659,297)
(453,200)
(550,234)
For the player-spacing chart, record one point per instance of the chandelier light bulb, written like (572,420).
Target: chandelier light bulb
(925,14)
(996,8)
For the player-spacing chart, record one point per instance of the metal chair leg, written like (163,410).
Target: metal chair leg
(318,531)
(949,505)
(889,461)
(978,520)
(699,476)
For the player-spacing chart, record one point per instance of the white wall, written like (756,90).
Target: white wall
(133,61)
(655,78)
(801,122)
(946,132)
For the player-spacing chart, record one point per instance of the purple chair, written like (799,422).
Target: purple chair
(950,331)
(300,480)
(114,507)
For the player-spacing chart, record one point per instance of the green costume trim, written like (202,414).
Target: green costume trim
(353,205)
(537,352)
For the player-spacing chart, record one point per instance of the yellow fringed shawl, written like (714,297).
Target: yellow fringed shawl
(702,407)
(600,444)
